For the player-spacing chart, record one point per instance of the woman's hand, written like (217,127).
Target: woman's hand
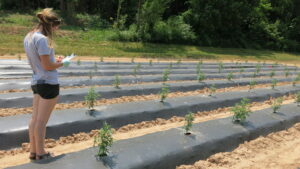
(59,59)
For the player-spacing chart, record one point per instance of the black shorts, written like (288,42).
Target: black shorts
(46,91)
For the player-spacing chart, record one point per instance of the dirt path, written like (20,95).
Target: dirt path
(124,99)
(81,141)
(280,150)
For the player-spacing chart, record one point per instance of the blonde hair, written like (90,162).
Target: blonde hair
(47,20)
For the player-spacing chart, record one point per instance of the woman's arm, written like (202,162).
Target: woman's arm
(47,64)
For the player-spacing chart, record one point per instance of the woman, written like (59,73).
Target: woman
(38,46)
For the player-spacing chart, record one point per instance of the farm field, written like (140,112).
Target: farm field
(181,114)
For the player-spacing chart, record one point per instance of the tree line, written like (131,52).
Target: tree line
(271,24)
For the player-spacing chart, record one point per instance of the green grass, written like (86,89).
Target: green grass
(71,39)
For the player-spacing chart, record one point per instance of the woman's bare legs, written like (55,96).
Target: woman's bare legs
(35,104)
(45,107)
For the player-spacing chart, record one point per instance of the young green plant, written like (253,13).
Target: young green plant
(166,74)
(274,83)
(297,98)
(276,104)
(241,110)
(200,76)
(103,140)
(91,98)
(252,84)
(221,66)
(189,118)
(117,82)
(164,92)
(230,76)
(78,62)
(212,89)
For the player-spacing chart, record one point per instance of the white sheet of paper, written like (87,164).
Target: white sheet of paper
(68,58)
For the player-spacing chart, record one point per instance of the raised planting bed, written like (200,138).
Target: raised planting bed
(111,72)
(24,99)
(109,80)
(69,121)
(168,149)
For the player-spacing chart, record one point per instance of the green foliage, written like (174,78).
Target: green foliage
(90,75)
(90,21)
(103,140)
(221,66)
(254,75)
(166,74)
(198,69)
(287,73)
(212,89)
(170,65)
(274,83)
(117,82)
(95,67)
(164,92)
(296,80)
(272,74)
(189,118)
(201,76)
(242,70)
(132,60)
(258,67)
(78,62)
(230,76)
(150,62)
(297,98)
(276,104)
(241,110)
(91,98)
(252,84)
(178,62)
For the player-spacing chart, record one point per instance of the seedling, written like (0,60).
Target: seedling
(117,82)
(91,98)
(212,89)
(297,99)
(103,140)
(230,76)
(272,74)
(236,63)
(178,62)
(90,75)
(221,66)
(150,62)
(242,70)
(78,62)
(276,104)
(139,66)
(254,75)
(132,60)
(135,70)
(258,67)
(118,62)
(95,66)
(170,65)
(166,74)
(198,69)
(201,76)
(296,80)
(101,59)
(287,73)
(241,111)
(189,118)
(252,84)
(164,92)
(274,83)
